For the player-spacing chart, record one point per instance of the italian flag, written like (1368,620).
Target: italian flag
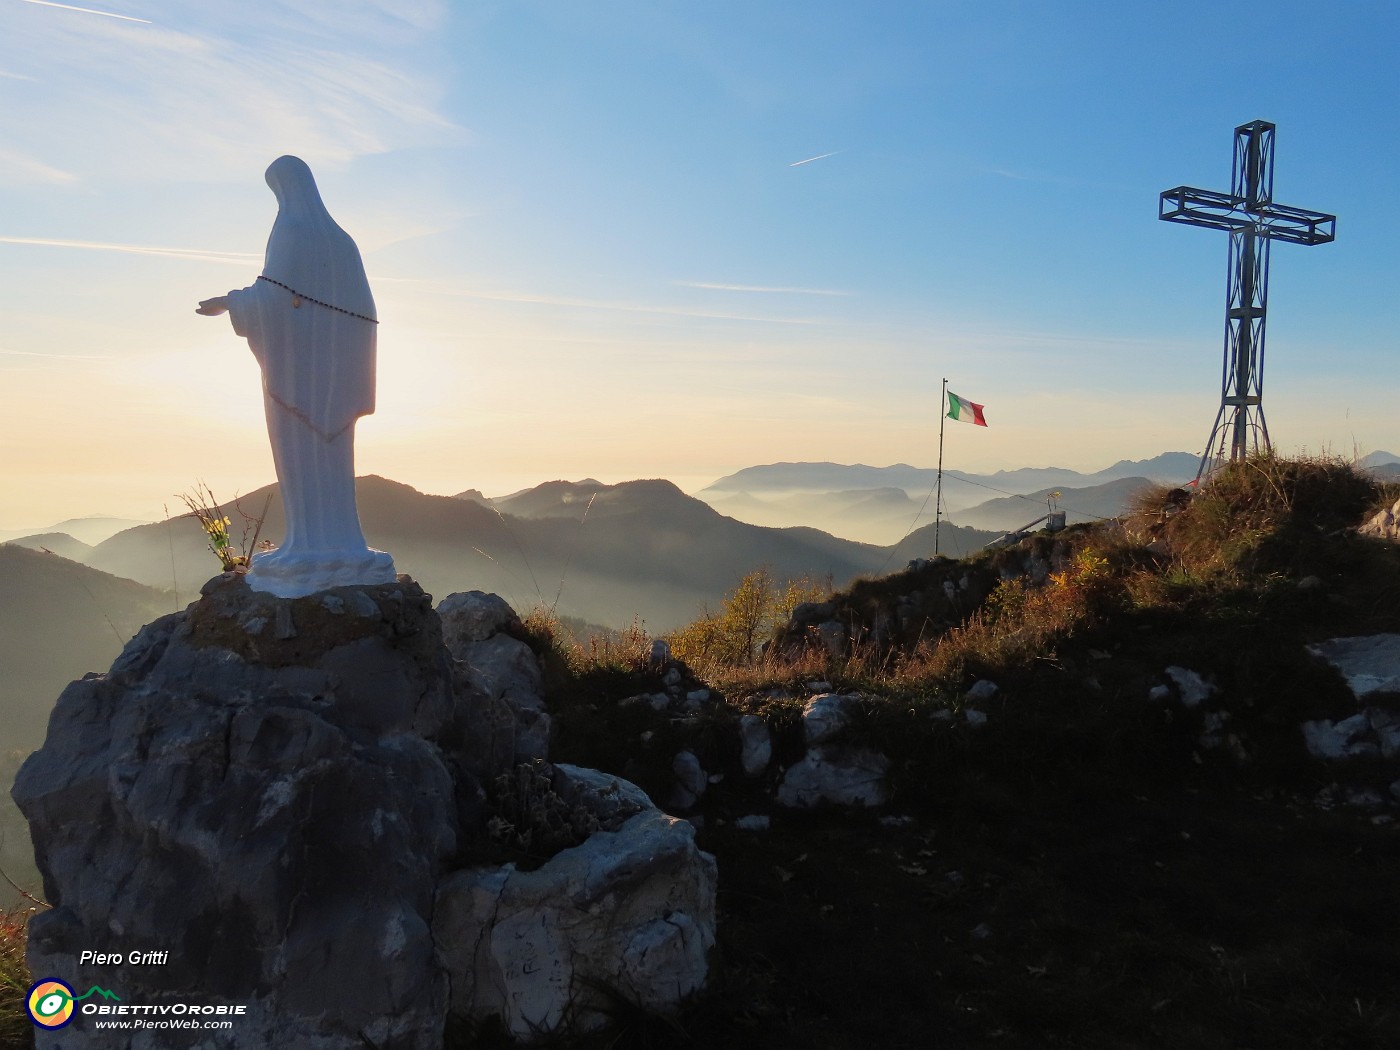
(965,411)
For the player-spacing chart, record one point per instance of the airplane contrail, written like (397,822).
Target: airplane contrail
(65,357)
(821,156)
(136,249)
(89,11)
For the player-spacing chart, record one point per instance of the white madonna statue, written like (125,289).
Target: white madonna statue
(309,319)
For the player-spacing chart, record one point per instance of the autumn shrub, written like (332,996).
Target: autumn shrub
(15,1029)
(1269,514)
(748,616)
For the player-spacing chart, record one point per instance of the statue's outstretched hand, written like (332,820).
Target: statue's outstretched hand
(213,307)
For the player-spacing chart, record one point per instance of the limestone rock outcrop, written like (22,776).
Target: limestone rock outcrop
(253,788)
(481,631)
(632,910)
(277,797)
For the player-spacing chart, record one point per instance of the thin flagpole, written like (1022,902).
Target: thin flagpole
(938,501)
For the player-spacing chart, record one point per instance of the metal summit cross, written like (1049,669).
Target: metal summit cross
(1253,220)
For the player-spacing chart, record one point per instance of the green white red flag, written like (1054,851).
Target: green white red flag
(964,411)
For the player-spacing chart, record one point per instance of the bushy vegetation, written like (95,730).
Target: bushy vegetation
(1087,869)
(749,615)
(15,1028)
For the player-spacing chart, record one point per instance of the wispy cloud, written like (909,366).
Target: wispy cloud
(88,11)
(208,98)
(55,357)
(819,156)
(202,254)
(27,169)
(14,76)
(719,287)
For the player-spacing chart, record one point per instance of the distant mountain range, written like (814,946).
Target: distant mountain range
(90,530)
(58,620)
(603,553)
(882,504)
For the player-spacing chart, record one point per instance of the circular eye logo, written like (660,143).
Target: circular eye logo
(50,1003)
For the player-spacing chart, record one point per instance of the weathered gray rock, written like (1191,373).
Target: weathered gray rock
(1191,686)
(1385,525)
(1374,731)
(832,634)
(691,780)
(824,716)
(807,613)
(1386,725)
(631,910)
(254,788)
(754,822)
(474,616)
(502,668)
(982,689)
(1350,738)
(1370,663)
(755,745)
(842,776)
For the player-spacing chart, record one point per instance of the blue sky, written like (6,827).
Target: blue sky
(595,253)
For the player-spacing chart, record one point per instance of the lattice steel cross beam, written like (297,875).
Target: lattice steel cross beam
(1253,220)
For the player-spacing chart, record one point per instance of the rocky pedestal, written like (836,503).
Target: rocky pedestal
(255,816)
(252,792)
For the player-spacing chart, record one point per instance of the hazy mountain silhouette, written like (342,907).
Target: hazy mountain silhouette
(644,548)
(59,543)
(827,495)
(1079,504)
(90,530)
(59,620)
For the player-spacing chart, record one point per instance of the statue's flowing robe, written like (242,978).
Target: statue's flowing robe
(311,326)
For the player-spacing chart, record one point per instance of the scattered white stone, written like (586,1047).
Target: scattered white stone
(824,716)
(698,696)
(983,689)
(1348,738)
(754,822)
(844,776)
(1370,664)
(981,932)
(1192,687)
(756,745)
(1158,693)
(974,717)
(1383,526)
(691,779)
(1386,725)
(818,687)
(1395,791)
